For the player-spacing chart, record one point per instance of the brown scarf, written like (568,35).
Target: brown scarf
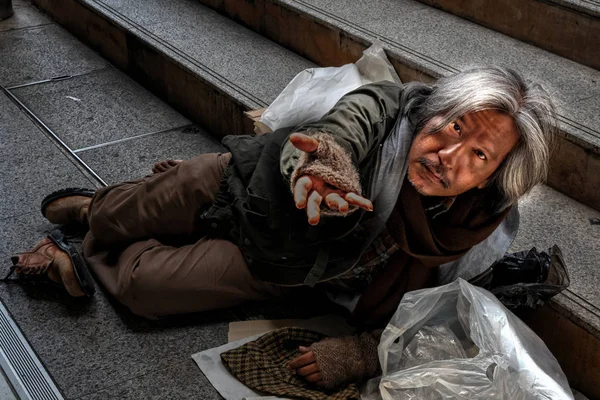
(425,243)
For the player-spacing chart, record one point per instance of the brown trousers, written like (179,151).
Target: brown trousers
(145,247)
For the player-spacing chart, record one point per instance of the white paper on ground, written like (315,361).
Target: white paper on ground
(209,361)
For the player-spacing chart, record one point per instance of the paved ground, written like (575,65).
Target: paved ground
(6,392)
(93,349)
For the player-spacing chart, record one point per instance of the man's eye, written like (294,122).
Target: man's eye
(480,154)
(456,127)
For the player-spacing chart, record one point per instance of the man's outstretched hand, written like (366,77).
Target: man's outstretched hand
(306,366)
(310,191)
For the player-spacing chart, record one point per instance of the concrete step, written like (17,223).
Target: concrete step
(96,126)
(424,43)
(569,28)
(204,65)
(570,323)
(212,69)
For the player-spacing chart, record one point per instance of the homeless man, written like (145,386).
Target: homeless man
(390,184)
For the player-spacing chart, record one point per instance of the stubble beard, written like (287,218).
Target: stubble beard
(414,185)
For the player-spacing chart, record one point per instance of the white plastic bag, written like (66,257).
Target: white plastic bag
(503,358)
(314,91)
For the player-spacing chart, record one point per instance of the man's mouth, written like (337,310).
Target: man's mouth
(433,172)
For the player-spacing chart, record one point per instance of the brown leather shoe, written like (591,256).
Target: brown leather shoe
(67,206)
(53,258)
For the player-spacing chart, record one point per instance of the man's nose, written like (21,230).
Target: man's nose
(449,154)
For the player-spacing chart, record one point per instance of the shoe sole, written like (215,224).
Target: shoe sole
(61,194)
(79,265)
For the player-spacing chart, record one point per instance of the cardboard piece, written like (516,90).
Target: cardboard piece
(330,325)
(242,329)
(259,127)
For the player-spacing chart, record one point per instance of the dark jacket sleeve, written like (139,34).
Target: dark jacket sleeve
(356,125)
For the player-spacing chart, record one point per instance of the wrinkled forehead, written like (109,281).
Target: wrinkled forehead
(495,129)
(491,122)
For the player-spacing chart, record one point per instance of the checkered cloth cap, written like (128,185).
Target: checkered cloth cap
(262,365)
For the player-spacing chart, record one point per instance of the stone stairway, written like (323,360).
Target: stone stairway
(212,60)
(424,43)
(570,28)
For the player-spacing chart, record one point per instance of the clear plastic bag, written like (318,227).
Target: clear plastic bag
(493,354)
(432,343)
(314,91)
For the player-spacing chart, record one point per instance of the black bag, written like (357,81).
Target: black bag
(525,279)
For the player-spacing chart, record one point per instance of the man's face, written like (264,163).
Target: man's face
(463,155)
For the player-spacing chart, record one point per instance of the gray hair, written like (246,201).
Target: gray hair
(504,90)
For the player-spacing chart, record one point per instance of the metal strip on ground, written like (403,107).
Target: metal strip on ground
(24,370)
(53,136)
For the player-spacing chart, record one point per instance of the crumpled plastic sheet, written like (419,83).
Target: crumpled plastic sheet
(459,342)
(314,91)
(432,343)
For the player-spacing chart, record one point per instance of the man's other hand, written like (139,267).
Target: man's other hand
(306,366)
(310,191)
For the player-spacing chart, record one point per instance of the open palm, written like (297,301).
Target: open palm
(310,191)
